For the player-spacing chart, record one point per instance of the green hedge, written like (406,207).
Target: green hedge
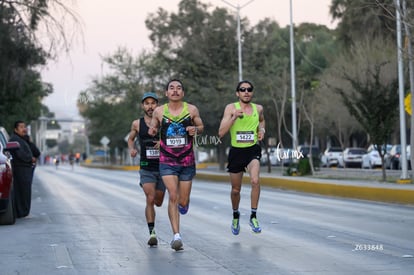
(302,167)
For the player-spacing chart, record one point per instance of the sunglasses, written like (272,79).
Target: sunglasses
(243,89)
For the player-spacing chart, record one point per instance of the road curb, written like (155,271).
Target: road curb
(379,194)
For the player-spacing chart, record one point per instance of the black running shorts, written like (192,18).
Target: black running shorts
(239,158)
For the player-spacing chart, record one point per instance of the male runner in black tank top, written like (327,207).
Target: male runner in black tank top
(151,182)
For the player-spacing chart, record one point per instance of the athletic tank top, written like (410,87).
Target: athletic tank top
(176,146)
(243,132)
(150,156)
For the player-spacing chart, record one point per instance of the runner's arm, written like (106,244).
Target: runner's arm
(198,126)
(262,129)
(155,121)
(229,117)
(131,138)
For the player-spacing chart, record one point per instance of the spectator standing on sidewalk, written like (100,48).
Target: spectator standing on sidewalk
(22,163)
(35,151)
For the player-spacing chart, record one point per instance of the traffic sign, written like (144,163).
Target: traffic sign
(407,103)
(105,140)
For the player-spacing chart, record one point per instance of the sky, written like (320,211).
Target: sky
(107,25)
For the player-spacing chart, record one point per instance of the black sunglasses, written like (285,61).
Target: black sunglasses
(243,89)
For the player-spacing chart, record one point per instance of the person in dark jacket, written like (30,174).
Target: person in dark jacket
(22,164)
(35,151)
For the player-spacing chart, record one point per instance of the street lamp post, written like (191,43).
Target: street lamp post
(403,133)
(238,8)
(293,85)
(42,134)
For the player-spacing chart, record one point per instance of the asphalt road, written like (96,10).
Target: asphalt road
(91,221)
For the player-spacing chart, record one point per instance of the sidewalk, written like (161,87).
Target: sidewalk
(347,188)
(357,189)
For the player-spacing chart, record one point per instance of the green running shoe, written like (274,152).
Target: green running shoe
(153,239)
(254,224)
(235,227)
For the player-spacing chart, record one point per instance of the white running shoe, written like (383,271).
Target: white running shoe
(177,243)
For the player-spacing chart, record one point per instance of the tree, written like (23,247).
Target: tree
(335,122)
(361,19)
(369,90)
(406,10)
(266,51)
(200,48)
(113,101)
(316,49)
(21,52)
(198,45)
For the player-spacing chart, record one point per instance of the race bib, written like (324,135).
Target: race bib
(179,141)
(245,136)
(152,153)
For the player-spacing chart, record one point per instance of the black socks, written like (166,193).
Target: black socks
(253,214)
(151,226)
(236,213)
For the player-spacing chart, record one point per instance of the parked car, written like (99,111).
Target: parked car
(352,157)
(331,156)
(306,149)
(392,159)
(278,156)
(386,148)
(7,209)
(272,157)
(371,160)
(286,156)
(313,150)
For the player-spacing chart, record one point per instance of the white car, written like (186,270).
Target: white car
(272,156)
(352,157)
(331,157)
(371,160)
(286,156)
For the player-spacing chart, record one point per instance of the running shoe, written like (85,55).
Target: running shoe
(177,244)
(254,224)
(235,227)
(153,239)
(183,209)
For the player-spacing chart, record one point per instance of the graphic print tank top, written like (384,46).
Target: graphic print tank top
(176,146)
(244,130)
(150,156)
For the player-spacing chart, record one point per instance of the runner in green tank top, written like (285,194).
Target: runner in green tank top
(246,124)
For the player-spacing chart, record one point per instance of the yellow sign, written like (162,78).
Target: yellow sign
(407,103)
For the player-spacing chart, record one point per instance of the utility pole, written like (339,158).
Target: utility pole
(238,8)
(293,82)
(403,132)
